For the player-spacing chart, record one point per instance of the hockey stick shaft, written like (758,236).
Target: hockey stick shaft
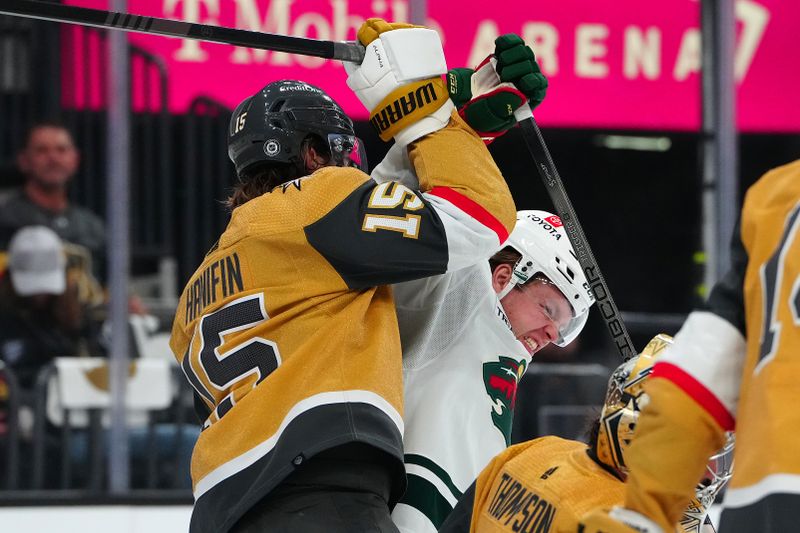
(563,206)
(343,51)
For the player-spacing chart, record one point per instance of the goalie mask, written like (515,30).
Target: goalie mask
(271,126)
(718,471)
(625,398)
(541,240)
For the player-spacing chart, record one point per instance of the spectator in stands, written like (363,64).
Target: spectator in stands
(41,313)
(49,160)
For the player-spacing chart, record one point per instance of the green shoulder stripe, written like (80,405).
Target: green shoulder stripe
(423,496)
(435,469)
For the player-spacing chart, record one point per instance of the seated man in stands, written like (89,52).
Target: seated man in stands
(49,160)
(42,314)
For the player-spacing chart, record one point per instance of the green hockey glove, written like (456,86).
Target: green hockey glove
(488,96)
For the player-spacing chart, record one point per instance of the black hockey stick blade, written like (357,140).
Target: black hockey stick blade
(563,206)
(343,51)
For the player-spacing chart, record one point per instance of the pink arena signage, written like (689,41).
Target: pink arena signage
(611,63)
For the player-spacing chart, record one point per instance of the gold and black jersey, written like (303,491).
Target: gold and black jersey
(544,485)
(287,330)
(733,366)
(765,487)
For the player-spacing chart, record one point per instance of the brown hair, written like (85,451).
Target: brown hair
(263,177)
(509,256)
(54,124)
(506,256)
(66,309)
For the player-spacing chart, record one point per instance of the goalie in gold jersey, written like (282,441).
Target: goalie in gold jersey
(547,484)
(287,330)
(733,363)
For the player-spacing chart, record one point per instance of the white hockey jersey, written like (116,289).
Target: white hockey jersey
(461,367)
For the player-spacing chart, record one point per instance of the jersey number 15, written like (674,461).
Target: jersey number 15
(256,356)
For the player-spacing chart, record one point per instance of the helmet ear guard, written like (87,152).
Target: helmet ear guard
(625,398)
(542,242)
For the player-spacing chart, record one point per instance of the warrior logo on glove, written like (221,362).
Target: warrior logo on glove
(418,95)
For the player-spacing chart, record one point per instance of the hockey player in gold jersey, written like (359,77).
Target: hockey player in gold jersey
(287,331)
(734,363)
(545,485)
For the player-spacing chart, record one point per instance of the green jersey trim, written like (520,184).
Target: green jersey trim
(438,471)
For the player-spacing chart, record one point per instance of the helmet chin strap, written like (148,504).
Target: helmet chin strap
(505,290)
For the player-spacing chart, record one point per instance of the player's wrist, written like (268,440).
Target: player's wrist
(399,81)
(428,124)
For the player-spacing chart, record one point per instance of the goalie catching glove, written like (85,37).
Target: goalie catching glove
(399,81)
(506,80)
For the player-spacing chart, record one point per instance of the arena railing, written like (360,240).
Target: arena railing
(152,158)
(28,72)
(9,417)
(572,391)
(37,84)
(64,448)
(206,179)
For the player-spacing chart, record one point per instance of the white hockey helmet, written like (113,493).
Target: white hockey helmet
(542,241)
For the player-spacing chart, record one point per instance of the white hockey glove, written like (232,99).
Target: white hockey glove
(399,81)
(617,520)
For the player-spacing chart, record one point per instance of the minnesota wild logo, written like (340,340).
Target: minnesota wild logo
(501,380)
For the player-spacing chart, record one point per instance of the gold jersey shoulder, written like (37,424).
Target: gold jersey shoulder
(770,227)
(241,254)
(294,204)
(771,235)
(543,485)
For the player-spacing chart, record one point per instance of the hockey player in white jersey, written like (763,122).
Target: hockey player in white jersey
(468,336)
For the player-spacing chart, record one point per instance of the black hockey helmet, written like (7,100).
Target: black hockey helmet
(271,125)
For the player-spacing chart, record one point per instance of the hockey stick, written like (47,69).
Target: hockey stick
(346,51)
(558,195)
(343,51)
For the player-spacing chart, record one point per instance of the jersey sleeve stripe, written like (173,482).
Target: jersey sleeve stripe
(473,209)
(341,398)
(423,495)
(712,351)
(695,390)
(772,485)
(438,471)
